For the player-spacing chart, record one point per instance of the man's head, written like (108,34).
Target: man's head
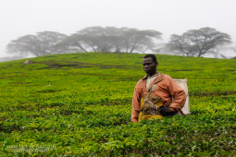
(149,64)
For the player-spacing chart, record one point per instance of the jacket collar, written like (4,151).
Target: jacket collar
(158,79)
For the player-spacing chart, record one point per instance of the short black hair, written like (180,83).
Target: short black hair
(154,59)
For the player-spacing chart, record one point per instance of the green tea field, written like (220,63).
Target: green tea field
(80,105)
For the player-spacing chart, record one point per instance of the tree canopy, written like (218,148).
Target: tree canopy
(198,42)
(195,42)
(96,39)
(112,39)
(43,43)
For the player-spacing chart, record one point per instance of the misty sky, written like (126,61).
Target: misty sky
(22,17)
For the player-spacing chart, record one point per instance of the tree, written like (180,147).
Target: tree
(112,39)
(96,39)
(198,42)
(72,43)
(99,39)
(140,40)
(44,43)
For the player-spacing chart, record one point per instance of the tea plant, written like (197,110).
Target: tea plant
(80,104)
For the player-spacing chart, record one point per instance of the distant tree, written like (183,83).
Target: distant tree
(181,45)
(112,39)
(99,39)
(198,42)
(139,40)
(72,43)
(44,43)
(96,39)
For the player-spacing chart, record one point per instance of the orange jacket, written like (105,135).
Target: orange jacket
(166,89)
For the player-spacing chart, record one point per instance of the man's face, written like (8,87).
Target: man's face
(149,66)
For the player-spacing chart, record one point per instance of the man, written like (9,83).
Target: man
(153,94)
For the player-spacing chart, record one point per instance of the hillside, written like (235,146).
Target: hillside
(80,104)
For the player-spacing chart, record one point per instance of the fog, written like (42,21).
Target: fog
(19,18)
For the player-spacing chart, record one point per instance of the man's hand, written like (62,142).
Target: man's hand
(166,111)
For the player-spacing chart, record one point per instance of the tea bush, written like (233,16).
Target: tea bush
(80,104)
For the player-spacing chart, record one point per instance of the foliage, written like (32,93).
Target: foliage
(96,39)
(112,39)
(80,105)
(44,43)
(198,42)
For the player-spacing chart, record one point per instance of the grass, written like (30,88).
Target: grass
(80,104)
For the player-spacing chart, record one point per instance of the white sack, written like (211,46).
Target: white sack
(183,83)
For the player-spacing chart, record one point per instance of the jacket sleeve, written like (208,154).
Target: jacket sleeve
(177,93)
(135,103)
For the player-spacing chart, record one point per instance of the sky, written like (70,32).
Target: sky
(22,17)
